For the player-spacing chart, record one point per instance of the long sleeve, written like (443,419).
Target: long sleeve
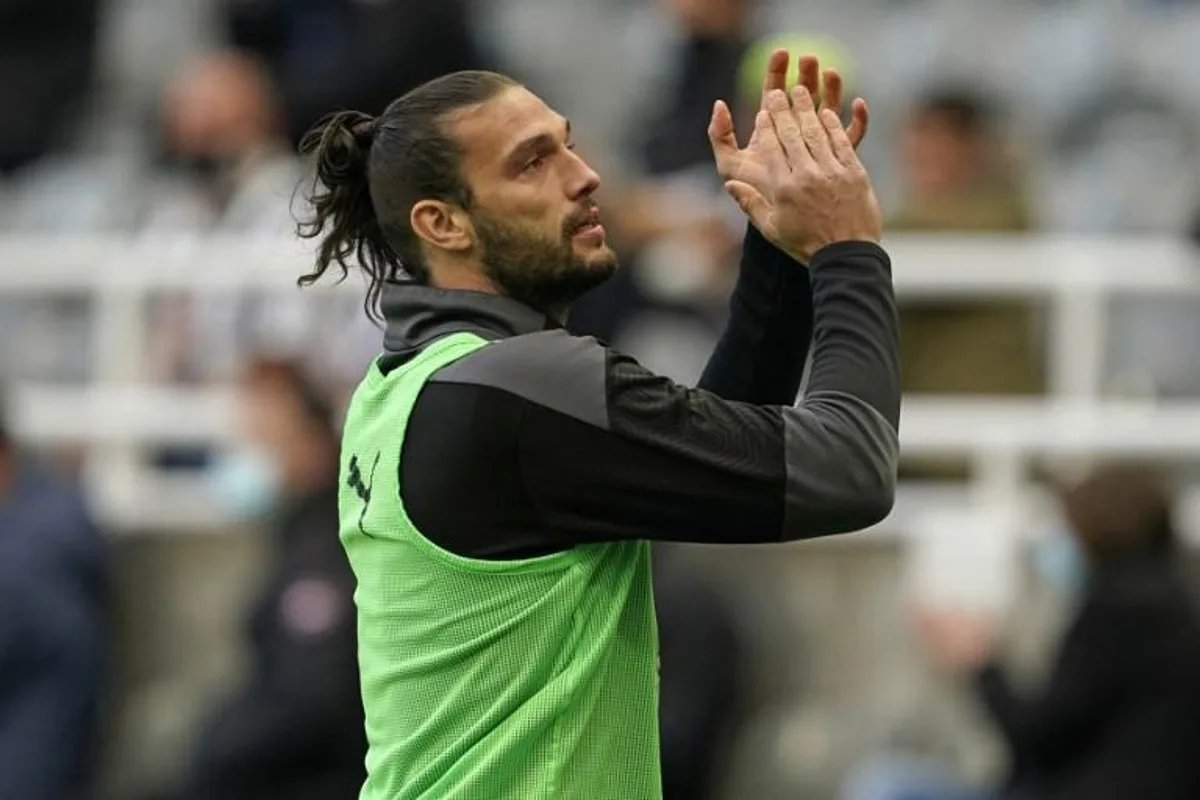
(1086,683)
(559,441)
(761,354)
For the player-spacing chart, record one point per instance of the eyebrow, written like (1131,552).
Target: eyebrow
(533,144)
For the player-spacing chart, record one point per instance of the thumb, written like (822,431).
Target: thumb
(722,138)
(749,199)
(720,127)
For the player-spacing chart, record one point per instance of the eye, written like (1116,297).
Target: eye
(534,163)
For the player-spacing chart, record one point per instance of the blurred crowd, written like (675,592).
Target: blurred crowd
(182,117)
(142,117)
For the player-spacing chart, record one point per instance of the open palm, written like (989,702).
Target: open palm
(751,165)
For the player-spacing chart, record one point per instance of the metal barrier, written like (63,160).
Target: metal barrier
(119,414)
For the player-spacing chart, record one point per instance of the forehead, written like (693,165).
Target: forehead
(491,130)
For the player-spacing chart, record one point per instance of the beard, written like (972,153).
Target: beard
(543,272)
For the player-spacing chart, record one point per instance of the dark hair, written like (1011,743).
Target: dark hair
(371,171)
(966,111)
(1120,509)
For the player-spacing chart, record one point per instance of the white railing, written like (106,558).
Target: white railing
(120,414)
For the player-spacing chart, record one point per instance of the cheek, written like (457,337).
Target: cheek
(535,208)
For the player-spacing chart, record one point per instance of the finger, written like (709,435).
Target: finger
(787,129)
(776,77)
(839,141)
(858,125)
(766,143)
(721,136)
(808,74)
(749,199)
(811,129)
(831,90)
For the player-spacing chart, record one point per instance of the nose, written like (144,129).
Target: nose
(583,181)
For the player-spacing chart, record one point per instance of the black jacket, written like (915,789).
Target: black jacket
(1119,718)
(559,440)
(295,731)
(47,53)
(54,648)
(332,54)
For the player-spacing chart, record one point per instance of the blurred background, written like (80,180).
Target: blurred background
(175,614)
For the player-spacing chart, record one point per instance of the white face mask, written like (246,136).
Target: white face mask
(247,482)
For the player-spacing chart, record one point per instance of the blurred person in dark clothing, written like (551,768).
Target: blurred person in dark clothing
(53,634)
(701,658)
(47,49)
(1119,716)
(295,729)
(327,55)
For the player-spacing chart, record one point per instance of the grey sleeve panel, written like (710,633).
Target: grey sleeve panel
(842,457)
(554,369)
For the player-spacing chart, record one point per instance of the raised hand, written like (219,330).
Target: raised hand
(805,187)
(748,164)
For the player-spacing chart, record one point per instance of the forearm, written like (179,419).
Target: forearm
(761,354)
(856,338)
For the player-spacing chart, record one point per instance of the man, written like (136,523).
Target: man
(53,634)
(955,177)
(1118,714)
(295,729)
(501,478)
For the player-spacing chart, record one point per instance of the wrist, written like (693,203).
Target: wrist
(839,250)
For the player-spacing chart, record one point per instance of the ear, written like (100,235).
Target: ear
(442,225)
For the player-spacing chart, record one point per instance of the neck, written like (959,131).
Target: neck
(463,280)
(471,278)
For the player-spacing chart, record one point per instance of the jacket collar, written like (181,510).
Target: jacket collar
(415,315)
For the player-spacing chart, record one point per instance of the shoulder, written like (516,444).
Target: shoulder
(553,369)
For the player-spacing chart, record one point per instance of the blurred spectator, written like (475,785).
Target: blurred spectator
(1119,716)
(295,729)
(327,55)
(701,653)
(223,129)
(235,173)
(47,48)
(955,173)
(53,634)
(957,180)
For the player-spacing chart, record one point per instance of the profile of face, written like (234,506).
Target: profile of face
(533,222)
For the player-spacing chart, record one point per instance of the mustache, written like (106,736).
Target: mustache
(586,214)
